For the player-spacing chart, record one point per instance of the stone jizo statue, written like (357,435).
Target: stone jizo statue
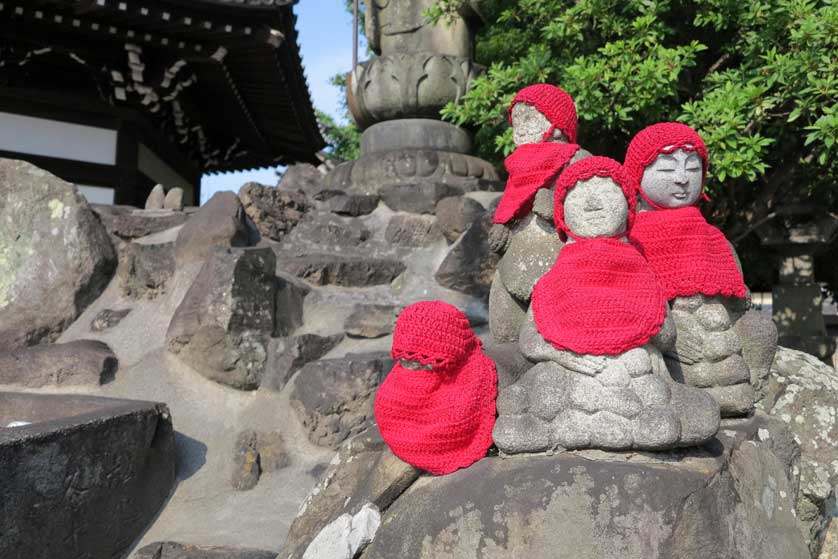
(543,119)
(595,319)
(696,266)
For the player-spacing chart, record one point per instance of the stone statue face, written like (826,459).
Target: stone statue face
(529,126)
(415,365)
(673,180)
(596,207)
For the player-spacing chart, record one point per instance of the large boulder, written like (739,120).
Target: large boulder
(127,222)
(469,265)
(334,397)
(304,177)
(55,256)
(732,499)
(274,211)
(287,355)
(803,392)
(145,267)
(224,323)
(81,362)
(222,221)
(326,231)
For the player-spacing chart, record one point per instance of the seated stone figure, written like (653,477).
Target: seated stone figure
(697,268)
(599,381)
(436,408)
(543,119)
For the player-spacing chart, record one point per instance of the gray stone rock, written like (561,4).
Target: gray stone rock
(108,318)
(735,501)
(533,248)
(469,265)
(174,550)
(758,335)
(455,214)
(174,199)
(86,478)
(372,321)
(414,133)
(223,325)
(506,313)
(334,397)
(81,362)
(145,268)
(290,298)
(222,221)
(346,271)
(156,198)
(324,230)
(273,455)
(304,177)
(246,468)
(346,536)
(412,230)
(509,361)
(56,256)
(287,355)
(419,198)
(803,392)
(274,211)
(127,222)
(352,203)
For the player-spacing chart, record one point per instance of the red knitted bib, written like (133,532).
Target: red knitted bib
(688,255)
(439,420)
(600,298)
(531,167)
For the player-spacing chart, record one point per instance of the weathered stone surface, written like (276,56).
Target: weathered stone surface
(352,203)
(734,501)
(469,265)
(758,335)
(246,468)
(506,313)
(287,355)
(173,550)
(222,221)
(144,268)
(347,271)
(156,198)
(456,214)
(79,362)
(86,478)
(372,321)
(346,536)
(510,363)
(275,211)
(803,392)
(412,230)
(419,198)
(223,325)
(55,256)
(290,298)
(174,199)
(533,248)
(127,222)
(108,318)
(324,230)
(417,133)
(334,397)
(304,177)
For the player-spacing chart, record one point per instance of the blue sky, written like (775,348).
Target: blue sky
(325,37)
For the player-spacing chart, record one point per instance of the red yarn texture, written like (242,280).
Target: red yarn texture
(664,137)
(554,103)
(585,169)
(599,298)
(531,167)
(438,420)
(688,255)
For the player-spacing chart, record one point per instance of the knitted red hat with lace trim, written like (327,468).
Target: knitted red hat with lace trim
(596,166)
(531,167)
(554,103)
(600,297)
(689,256)
(441,419)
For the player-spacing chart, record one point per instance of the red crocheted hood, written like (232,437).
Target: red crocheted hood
(582,170)
(531,167)
(664,137)
(554,103)
(439,420)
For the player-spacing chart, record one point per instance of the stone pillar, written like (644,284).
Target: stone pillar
(798,234)
(395,97)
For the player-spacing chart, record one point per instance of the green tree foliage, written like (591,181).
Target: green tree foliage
(757,78)
(344,138)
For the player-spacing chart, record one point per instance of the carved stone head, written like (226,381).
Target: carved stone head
(596,207)
(529,125)
(673,180)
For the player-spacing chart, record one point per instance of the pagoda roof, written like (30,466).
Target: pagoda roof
(221,79)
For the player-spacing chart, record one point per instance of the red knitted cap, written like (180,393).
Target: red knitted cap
(439,420)
(554,103)
(664,137)
(582,170)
